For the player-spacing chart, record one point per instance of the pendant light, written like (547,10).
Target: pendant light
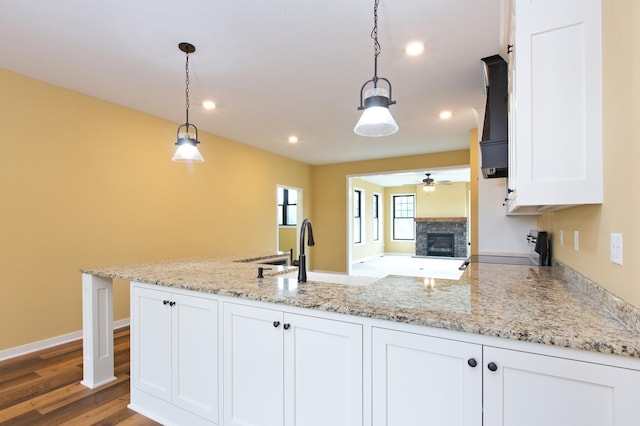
(187,134)
(376,120)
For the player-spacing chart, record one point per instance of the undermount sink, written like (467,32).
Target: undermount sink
(327,277)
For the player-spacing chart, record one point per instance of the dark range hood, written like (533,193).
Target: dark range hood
(494,143)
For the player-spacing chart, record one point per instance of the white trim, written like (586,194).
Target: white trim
(53,341)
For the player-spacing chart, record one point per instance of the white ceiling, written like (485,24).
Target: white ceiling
(274,68)
(449,174)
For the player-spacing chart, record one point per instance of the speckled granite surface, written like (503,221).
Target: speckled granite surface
(509,301)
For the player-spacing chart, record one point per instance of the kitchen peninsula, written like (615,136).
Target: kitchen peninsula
(274,351)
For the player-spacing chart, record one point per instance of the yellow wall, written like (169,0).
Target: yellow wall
(85,183)
(444,201)
(287,239)
(369,247)
(330,199)
(620,211)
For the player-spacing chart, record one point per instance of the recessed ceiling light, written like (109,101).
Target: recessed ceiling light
(209,104)
(445,115)
(414,48)
(293,139)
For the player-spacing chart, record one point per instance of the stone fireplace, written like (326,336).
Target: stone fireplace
(441,236)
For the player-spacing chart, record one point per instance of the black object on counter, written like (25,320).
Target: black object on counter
(261,272)
(543,248)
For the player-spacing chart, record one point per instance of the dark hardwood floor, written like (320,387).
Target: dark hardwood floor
(43,388)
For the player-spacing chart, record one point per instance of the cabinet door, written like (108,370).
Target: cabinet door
(558,116)
(151,342)
(420,380)
(533,390)
(253,366)
(195,355)
(323,372)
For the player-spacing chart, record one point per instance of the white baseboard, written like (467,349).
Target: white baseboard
(47,343)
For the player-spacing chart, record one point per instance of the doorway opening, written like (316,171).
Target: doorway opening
(289,216)
(389,227)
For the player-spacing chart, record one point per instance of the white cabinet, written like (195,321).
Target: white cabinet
(174,355)
(532,390)
(425,380)
(556,105)
(288,369)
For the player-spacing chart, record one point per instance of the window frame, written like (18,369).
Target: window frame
(404,218)
(375,214)
(284,209)
(357,216)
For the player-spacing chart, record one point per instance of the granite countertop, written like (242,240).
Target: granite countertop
(527,303)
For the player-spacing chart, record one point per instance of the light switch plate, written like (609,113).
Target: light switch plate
(576,240)
(561,238)
(616,248)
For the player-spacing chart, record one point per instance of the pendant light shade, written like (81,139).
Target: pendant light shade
(187,150)
(376,119)
(187,134)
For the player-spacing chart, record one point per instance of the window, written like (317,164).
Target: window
(287,207)
(357,216)
(403,217)
(376,217)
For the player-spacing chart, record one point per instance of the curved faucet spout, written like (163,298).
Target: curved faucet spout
(302,263)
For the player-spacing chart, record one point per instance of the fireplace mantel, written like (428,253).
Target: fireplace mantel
(441,219)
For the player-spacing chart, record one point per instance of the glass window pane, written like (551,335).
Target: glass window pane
(280,196)
(292,214)
(403,229)
(293,196)
(376,229)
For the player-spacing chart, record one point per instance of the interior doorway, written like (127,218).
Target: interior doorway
(446,195)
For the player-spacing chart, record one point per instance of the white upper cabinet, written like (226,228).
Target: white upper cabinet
(556,105)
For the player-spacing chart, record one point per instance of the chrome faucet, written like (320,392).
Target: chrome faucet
(302,263)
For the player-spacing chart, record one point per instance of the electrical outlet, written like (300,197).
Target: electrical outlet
(561,238)
(576,240)
(616,248)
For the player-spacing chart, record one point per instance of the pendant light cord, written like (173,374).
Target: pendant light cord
(376,44)
(186,90)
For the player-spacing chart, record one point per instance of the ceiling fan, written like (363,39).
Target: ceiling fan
(429,184)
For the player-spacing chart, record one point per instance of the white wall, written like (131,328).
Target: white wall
(497,232)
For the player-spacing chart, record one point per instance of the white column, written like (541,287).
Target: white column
(97,330)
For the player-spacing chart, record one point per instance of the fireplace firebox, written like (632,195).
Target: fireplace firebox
(440,244)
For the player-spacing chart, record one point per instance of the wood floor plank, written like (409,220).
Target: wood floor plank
(76,393)
(101,411)
(43,388)
(60,350)
(39,386)
(137,420)
(40,403)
